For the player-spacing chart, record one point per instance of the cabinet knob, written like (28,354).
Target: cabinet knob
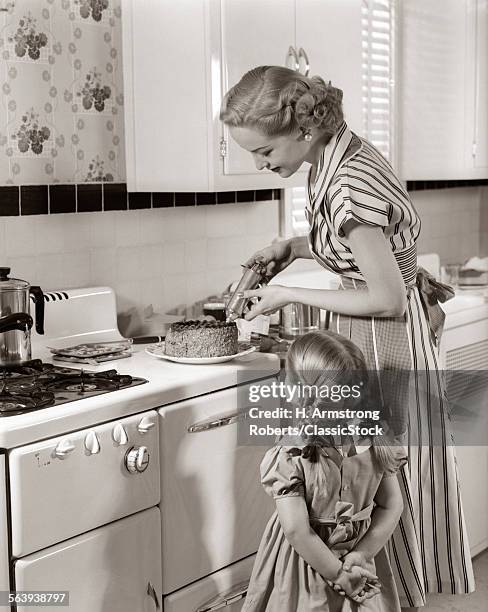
(137,459)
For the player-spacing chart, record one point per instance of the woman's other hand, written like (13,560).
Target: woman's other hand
(271,299)
(276,256)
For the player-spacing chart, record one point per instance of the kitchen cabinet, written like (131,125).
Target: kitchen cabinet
(443,97)
(181,57)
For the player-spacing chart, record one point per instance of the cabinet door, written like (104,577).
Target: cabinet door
(254,33)
(165,87)
(116,567)
(329,31)
(432,99)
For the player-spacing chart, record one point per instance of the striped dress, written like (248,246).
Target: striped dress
(429,550)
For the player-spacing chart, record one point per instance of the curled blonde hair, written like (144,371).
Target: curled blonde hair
(323,358)
(279,101)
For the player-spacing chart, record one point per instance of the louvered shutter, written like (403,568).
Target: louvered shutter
(378,42)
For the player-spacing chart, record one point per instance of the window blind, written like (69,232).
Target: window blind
(378,58)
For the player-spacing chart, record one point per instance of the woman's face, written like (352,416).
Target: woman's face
(281,154)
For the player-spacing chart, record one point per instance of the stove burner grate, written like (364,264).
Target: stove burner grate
(34,385)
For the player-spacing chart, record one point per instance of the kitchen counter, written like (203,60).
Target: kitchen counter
(167,383)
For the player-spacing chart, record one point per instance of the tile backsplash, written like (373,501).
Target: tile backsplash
(452,222)
(165,257)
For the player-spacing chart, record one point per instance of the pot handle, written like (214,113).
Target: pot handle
(18,320)
(38,296)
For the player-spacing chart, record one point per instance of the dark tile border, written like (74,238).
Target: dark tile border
(139,200)
(62,199)
(34,200)
(423,185)
(9,201)
(95,197)
(89,197)
(114,196)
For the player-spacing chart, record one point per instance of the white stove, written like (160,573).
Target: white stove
(110,498)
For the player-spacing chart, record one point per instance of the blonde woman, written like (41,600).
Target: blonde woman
(364,228)
(337,502)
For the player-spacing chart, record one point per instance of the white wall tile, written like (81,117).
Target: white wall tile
(152,226)
(196,255)
(128,263)
(103,266)
(127,228)
(75,269)
(102,228)
(173,261)
(50,233)
(20,236)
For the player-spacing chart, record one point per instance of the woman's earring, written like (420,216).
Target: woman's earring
(307,136)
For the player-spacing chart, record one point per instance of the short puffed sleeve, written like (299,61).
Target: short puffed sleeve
(282,472)
(358,197)
(400,458)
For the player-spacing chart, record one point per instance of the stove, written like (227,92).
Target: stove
(35,385)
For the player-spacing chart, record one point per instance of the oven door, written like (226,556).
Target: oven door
(116,567)
(213,507)
(225,590)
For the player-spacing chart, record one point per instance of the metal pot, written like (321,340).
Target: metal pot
(15,319)
(298,319)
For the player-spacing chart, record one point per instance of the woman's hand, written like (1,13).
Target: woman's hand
(271,298)
(276,256)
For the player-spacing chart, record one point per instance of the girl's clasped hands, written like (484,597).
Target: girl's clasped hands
(356,579)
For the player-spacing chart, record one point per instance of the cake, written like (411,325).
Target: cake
(201,339)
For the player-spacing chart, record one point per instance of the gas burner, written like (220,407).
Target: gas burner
(83,384)
(34,385)
(11,403)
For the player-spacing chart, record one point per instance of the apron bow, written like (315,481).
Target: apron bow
(431,293)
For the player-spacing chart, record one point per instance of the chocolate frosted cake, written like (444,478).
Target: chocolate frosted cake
(201,339)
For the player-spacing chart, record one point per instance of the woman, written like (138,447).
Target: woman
(364,228)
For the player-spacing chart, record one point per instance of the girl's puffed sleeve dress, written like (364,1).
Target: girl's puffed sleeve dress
(339,493)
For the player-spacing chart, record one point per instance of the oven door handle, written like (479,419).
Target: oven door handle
(223,600)
(152,593)
(220,420)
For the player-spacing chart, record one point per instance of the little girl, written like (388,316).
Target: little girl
(337,503)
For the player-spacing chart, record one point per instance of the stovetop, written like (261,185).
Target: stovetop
(35,385)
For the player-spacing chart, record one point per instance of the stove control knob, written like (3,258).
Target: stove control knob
(145,424)
(92,444)
(64,448)
(119,435)
(137,459)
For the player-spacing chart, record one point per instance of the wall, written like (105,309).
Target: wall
(452,222)
(164,257)
(61,116)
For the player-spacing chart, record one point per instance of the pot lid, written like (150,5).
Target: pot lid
(7,283)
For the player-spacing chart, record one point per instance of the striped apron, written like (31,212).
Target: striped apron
(429,551)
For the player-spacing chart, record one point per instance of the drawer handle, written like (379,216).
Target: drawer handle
(228,598)
(218,421)
(152,593)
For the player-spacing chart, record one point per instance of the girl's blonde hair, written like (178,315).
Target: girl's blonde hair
(324,358)
(278,101)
